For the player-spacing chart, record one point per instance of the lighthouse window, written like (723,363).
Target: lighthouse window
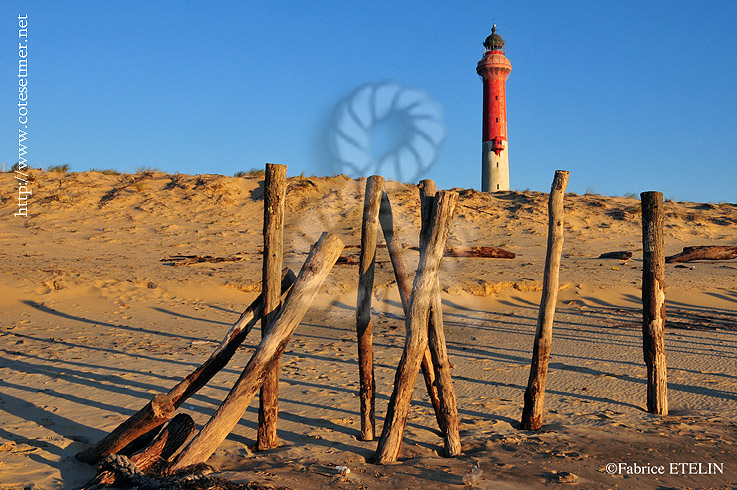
(496,97)
(497,119)
(497,187)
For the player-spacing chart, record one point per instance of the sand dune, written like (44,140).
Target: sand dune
(96,319)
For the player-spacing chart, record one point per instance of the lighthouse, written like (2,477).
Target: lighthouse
(494,68)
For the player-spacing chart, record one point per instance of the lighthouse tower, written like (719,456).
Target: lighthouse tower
(494,68)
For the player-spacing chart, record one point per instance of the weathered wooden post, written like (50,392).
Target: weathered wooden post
(443,382)
(163,406)
(316,268)
(532,413)
(404,285)
(653,301)
(275,187)
(416,321)
(364,326)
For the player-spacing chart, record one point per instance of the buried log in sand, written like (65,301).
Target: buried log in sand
(316,268)
(704,252)
(163,406)
(532,413)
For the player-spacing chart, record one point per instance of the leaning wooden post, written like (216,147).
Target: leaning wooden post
(440,364)
(364,327)
(416,321)
(532,413)
(163,406)
(316,268)
(401,273)
(275,186)
(653,301)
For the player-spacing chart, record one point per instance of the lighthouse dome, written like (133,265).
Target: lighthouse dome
(494,42)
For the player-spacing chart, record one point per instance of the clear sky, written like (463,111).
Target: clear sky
(629,96)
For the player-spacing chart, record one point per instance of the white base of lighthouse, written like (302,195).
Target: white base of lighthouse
(494,168)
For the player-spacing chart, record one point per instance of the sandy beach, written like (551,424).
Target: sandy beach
(97,318)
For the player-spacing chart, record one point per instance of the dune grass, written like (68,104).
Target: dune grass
(254,172)
(105,171)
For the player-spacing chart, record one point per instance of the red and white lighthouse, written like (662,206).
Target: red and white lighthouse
(494,68)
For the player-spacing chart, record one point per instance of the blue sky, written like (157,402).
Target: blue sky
(628,96)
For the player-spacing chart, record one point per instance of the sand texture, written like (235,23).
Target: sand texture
(99,314)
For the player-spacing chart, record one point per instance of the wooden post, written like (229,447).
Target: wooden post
(405,290)
(653,301)
(364,326)
(152,416)
(316,268)
(532,413)
(275,187)
(443,383)
(416,321)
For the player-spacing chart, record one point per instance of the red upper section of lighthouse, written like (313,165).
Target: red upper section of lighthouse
(494,68)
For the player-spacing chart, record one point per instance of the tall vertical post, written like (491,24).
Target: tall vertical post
(532,413)
(364,326)
(275,187)
(439,364)
(653,301)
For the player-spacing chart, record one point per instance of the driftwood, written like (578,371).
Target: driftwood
(448,415)
(532,413)
(316,268)
(353,260)
(275,185)
(621,255)
(364,326)
(481,252)
(404,285)
(476,252)
(378,245)
(416,322)
(163,406)
(163,447)
(156,412)
(197,259)
(710,252)
(653,301)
